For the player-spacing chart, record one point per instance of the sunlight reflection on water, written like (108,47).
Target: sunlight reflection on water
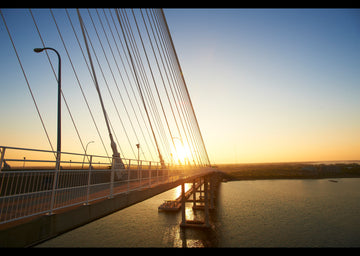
(177,190)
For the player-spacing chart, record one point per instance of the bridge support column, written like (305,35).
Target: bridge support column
(183,216)
(194,194)
(211,184)
(206,206)
(206,203)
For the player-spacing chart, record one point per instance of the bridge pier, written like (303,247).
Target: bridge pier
(183,215)
(206,203)
(207,200)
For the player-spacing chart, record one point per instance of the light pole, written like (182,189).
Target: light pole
(85,152)
(138,147)
(58,149)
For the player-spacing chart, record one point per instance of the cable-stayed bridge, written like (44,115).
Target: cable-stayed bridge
(114,85)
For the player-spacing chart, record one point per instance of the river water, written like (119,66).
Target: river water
(261,213)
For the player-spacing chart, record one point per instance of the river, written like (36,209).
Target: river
(259,213)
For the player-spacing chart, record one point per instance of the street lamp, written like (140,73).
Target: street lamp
(58,149)
(85,152)
(138,147)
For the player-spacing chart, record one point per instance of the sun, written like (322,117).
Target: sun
(180,153)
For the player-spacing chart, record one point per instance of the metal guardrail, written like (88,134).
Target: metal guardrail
(32,186)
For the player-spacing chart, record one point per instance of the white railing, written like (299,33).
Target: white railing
(30,185)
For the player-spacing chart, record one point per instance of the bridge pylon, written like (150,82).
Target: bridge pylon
(205,202)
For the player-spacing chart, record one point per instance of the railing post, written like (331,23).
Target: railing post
(57,166)
(168,175)
(149,174)
(112,177)
(128,183)
(53,192)
(171,174)
(140,171)
(2,158)
(88,184)
(157,173)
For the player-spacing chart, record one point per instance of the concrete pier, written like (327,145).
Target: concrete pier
(175,205)
(209,184)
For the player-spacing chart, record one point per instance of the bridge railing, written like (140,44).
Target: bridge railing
(35,184)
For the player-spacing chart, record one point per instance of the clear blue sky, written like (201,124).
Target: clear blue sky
(273,85)
(267,85)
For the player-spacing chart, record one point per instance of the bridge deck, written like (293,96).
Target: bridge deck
(32,230)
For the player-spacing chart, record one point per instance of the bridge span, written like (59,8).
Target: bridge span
(37,204)
(139,96)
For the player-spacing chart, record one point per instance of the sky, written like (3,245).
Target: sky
(273,85)
(267,85)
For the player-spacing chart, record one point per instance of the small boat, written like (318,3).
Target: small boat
(170,205)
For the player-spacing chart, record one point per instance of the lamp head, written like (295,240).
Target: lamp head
(38,49)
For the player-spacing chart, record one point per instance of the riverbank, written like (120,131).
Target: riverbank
(288,171)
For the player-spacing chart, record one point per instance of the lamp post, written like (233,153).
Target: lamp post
(58,149)
(85,152)
(138,147)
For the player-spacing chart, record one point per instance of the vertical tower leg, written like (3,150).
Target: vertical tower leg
(206,192)
(201,189)
(212,183)
(183,216)
(194,194)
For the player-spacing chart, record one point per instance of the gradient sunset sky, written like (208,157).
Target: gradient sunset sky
(267,85)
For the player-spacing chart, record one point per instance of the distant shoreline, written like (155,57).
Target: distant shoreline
(288,171)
